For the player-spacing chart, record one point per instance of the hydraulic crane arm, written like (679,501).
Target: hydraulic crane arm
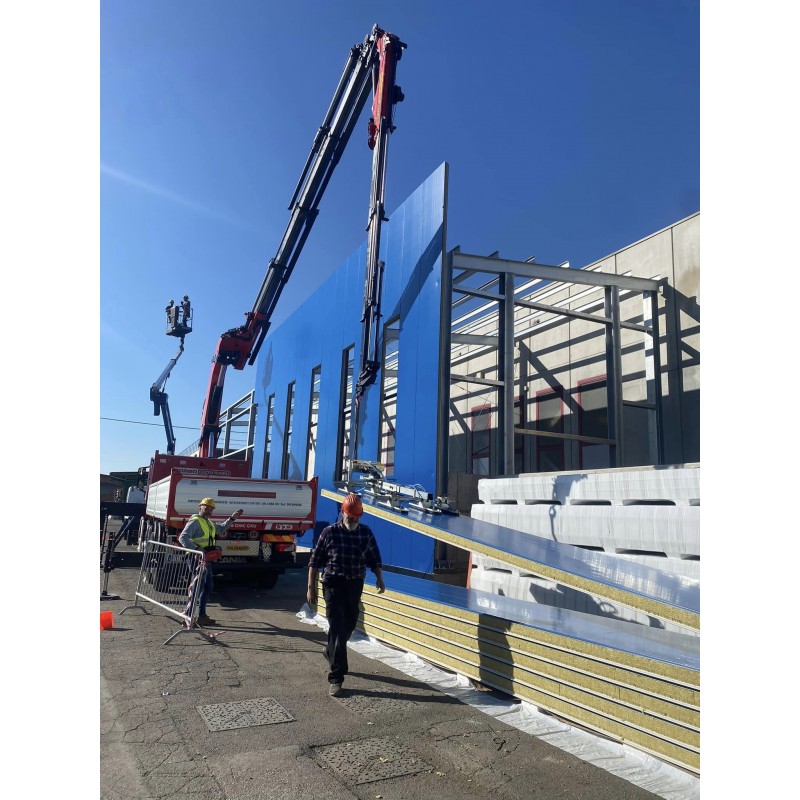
(370,65)
(386,94)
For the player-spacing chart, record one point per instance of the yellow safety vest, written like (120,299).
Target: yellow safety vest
(209,532)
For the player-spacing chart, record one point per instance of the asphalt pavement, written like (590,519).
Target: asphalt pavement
(249,717)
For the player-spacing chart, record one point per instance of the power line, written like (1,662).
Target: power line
(158,425)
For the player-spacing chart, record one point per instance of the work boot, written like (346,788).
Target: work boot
(204,619)
(335,689)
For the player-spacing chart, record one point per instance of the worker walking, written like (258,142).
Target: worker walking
(200,533)
(344,551)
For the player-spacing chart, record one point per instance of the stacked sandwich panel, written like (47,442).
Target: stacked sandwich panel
(632,683)
(663,597)
(679,485)
(667,531)
(648,516)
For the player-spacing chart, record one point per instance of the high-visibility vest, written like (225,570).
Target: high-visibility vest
(209,530)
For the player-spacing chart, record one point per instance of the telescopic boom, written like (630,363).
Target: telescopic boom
(370,65)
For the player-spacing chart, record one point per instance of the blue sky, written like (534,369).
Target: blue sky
(571,128)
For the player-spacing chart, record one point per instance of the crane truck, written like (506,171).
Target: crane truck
(276,511)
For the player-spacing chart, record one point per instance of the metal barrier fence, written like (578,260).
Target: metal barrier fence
(172,578)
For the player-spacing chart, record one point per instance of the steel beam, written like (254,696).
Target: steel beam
(551,273)
(567,312)
(478,293)
(474,338)
(568,437)
(454,378)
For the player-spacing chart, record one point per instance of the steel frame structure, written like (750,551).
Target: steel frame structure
(242,414)
(499,287)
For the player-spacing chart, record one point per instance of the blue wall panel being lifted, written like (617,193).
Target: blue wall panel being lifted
(317,335)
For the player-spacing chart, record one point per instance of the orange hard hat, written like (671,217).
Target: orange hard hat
(351,506)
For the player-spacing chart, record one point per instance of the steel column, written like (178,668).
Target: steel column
(251,424)
(505,366)
(654,363)
(614,375)
(226,447)
(443,405)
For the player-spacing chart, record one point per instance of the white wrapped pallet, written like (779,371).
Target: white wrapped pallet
(676,485)
(649,515)
(672,531)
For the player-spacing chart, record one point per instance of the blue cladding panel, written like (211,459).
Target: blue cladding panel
(329,321)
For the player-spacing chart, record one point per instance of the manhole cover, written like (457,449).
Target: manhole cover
(359,704)
(371,760)
(244,714)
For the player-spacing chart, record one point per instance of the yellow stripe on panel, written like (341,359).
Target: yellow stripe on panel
(651,704)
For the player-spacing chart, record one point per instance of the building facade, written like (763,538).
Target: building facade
(490,367)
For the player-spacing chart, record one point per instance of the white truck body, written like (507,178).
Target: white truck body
(274,513)
(266,504)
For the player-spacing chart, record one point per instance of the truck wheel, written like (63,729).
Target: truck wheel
(145,533)
(153,570)
(131,535)
(267,580)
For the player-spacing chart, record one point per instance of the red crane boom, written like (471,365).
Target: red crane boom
(370,65)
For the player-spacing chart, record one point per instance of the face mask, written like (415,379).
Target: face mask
(350,523)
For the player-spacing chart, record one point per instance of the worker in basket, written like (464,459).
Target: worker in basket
(200,533)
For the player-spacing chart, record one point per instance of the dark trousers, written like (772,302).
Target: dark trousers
(205,590)
(342,597)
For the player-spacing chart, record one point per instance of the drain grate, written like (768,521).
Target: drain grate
(359,704)
(371,760)
(244,714)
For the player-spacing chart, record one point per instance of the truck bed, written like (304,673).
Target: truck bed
(267,504)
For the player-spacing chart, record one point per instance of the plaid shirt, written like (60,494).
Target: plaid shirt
(346,554)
